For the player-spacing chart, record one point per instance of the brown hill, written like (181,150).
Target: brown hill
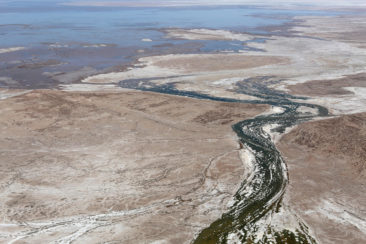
(344,137)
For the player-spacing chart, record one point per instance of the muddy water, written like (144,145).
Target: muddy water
(263,192)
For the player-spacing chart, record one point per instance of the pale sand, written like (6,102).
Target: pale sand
(11,49)
(207,34)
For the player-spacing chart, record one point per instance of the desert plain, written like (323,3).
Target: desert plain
(106,159)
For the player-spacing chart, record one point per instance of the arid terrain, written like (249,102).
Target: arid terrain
(331,87)
(327,182)
(141,167)
(103,159)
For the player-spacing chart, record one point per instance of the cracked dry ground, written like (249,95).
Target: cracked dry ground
(125,167)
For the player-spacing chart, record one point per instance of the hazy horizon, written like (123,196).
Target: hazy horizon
(334,3)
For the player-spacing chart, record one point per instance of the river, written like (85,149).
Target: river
(261,194)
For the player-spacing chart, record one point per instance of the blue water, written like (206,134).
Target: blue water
(52,32)
(29,24)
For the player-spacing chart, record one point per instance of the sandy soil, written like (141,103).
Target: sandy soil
(141,167)
(332,87)
(206,63)
(7,93)
(327,168)
(187,64)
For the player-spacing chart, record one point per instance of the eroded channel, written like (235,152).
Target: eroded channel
(260,195)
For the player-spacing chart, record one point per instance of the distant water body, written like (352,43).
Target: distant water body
(101,37)
(33,25)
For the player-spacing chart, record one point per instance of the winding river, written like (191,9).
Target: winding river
(262,192)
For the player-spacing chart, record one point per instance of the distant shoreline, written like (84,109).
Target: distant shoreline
(278,5)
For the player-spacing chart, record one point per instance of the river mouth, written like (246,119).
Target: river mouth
(262,193)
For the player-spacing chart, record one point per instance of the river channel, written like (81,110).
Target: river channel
(262,192)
